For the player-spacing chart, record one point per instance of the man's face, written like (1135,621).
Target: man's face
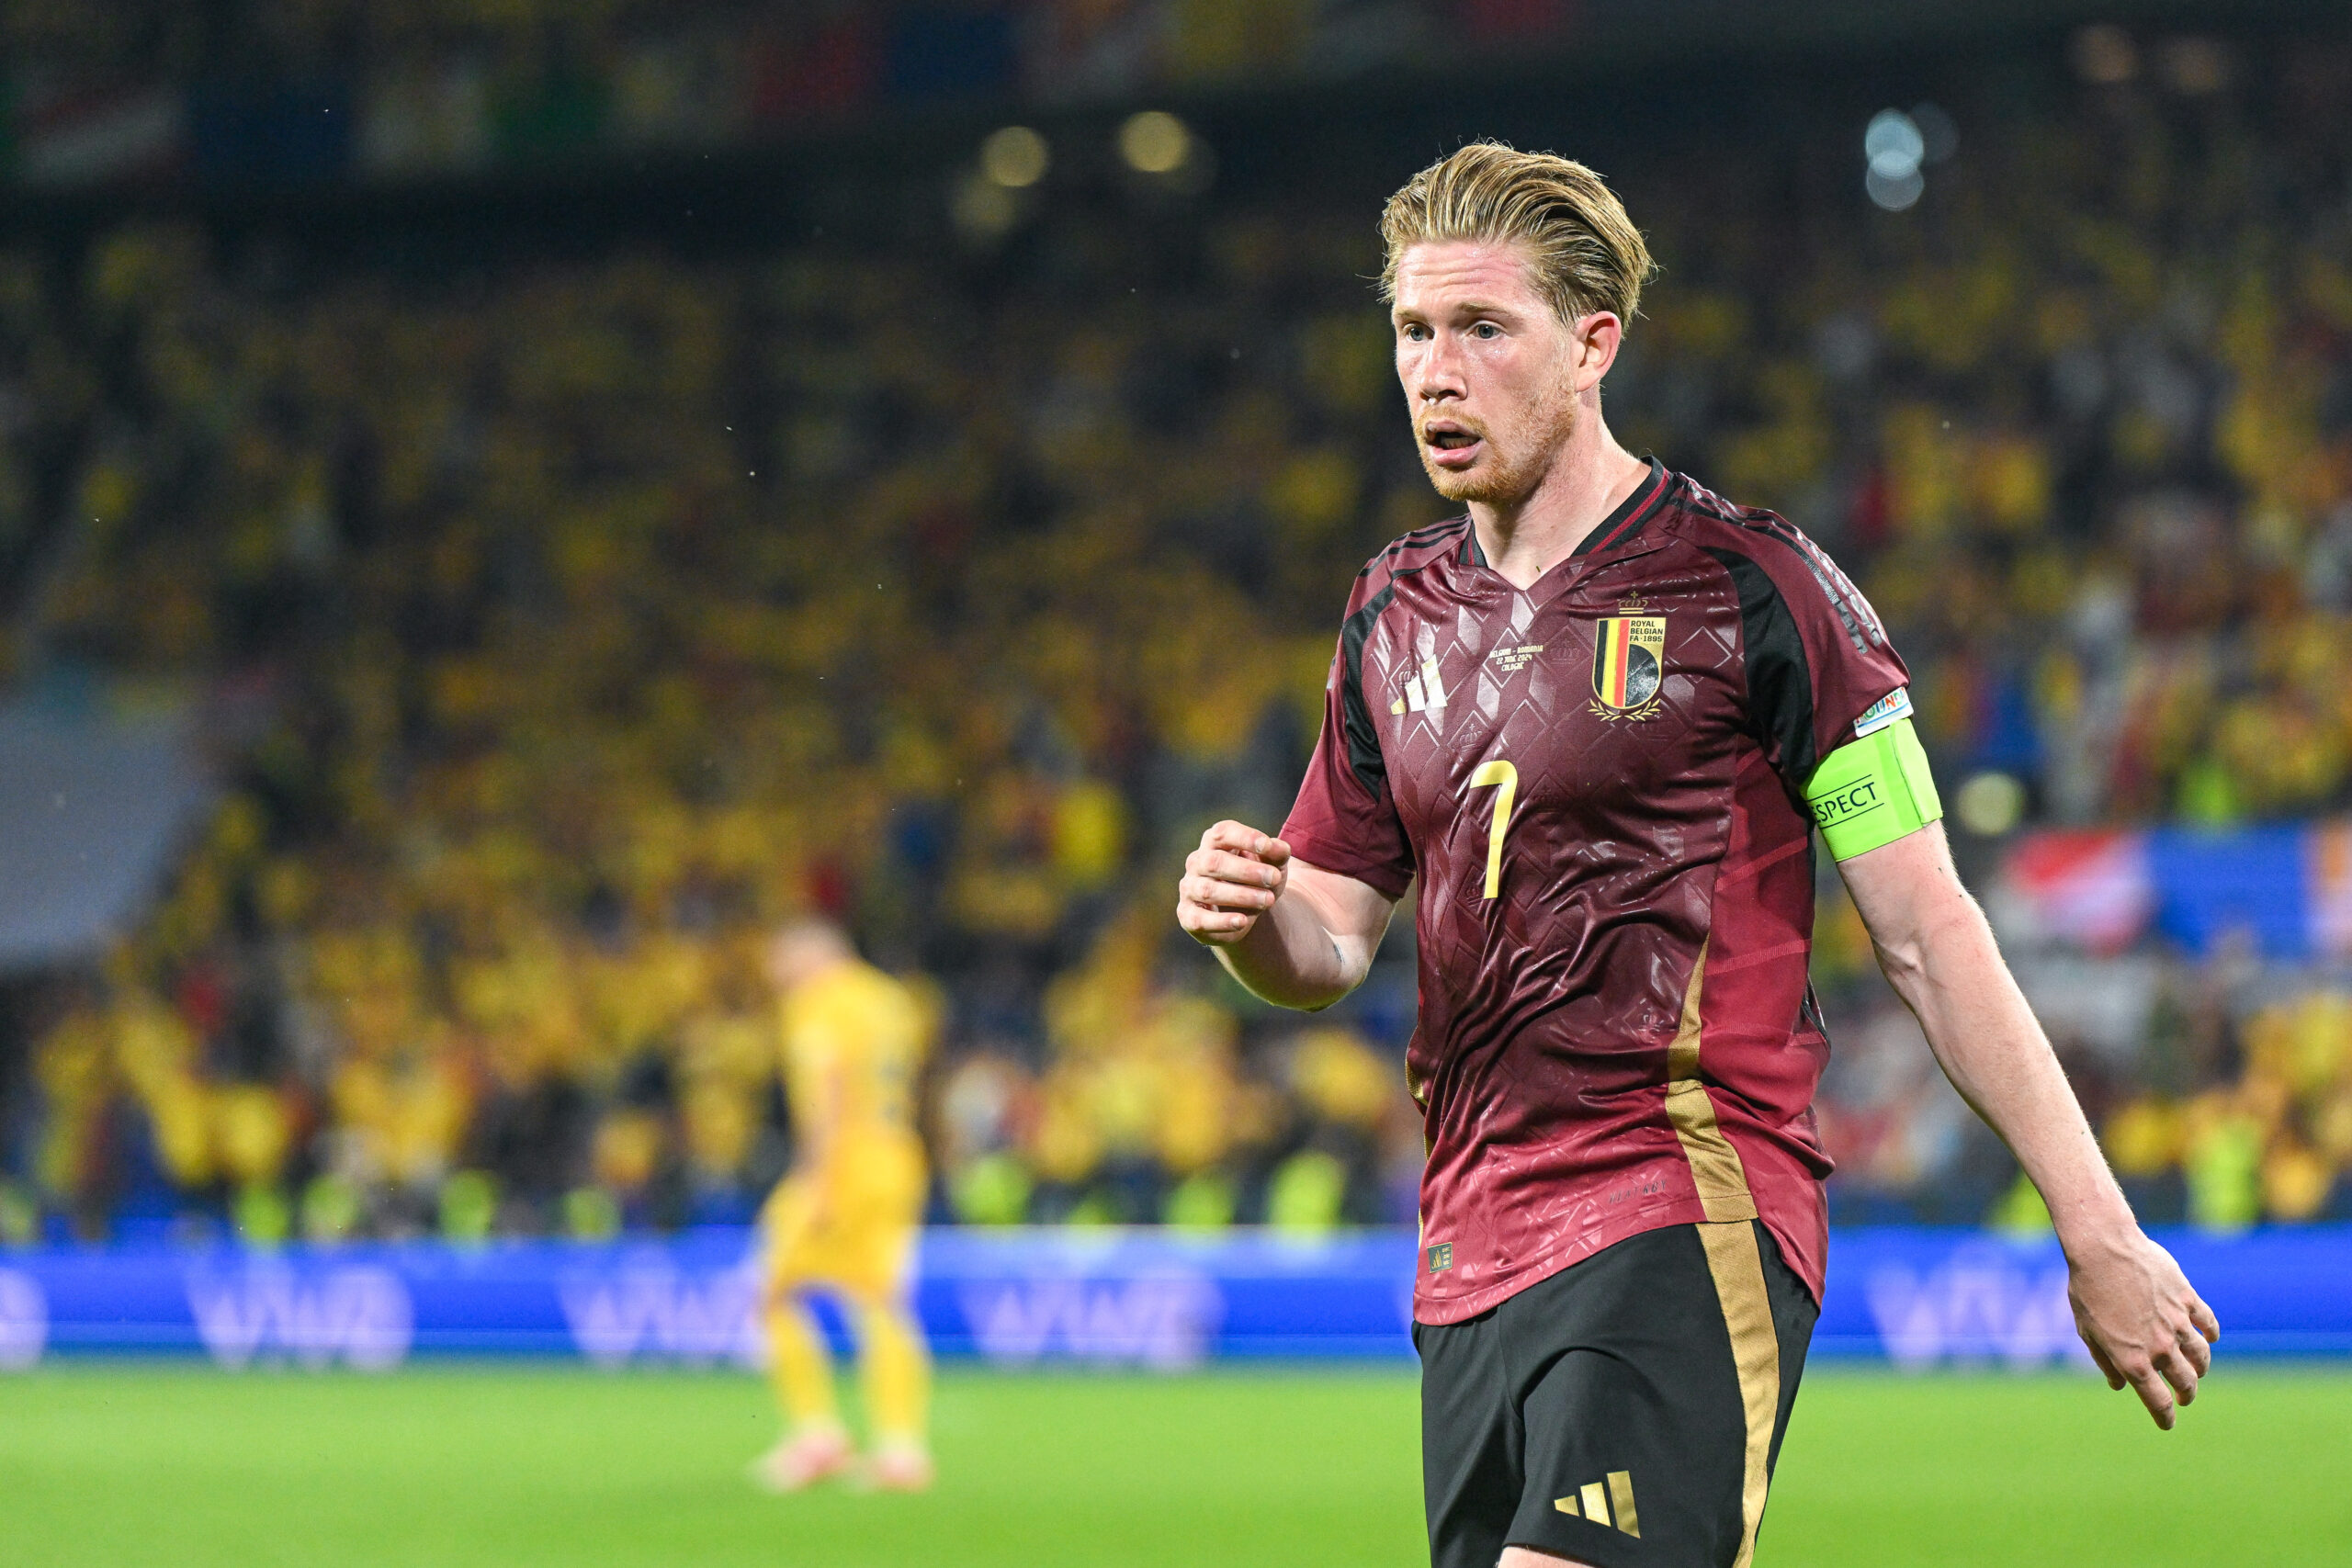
(1489,371)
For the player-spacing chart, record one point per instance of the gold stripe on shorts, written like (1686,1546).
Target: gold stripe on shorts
(1737,1264)
(1733,1256)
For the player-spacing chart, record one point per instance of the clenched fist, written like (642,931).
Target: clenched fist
(1234,877)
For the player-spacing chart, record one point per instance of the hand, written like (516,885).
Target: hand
(2143,1322)
(1234,877)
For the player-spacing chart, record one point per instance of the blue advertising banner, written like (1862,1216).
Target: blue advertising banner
(2284,887)
(1150,1298)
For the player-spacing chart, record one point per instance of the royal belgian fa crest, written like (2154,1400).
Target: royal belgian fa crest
(1628,665)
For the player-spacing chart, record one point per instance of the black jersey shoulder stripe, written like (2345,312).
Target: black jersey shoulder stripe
(1418,538)
(1852,607)
(1428,535)
(1355,714)
(1861,623)
(1355,719)
(1364,760)
(1431,530)
(1834,581)
(1779,680)
(1854,612)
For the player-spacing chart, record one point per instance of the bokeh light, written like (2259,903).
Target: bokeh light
(1893,146)
(1155,142)
(1016,157)
(1989,804)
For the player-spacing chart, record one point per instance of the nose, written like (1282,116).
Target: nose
(1434,370)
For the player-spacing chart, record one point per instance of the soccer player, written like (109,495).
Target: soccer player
(1599,717)
(844,1218)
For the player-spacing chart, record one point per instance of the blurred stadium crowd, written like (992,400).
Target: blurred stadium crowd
(560,623)
(290,92)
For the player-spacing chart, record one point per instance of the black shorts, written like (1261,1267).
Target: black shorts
(1623,1413)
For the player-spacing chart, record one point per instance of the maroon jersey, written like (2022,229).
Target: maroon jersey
(1597,780)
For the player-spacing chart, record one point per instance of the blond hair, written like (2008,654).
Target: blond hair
(1586,253)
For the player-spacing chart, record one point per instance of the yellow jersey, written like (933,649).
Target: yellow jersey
(853,1038)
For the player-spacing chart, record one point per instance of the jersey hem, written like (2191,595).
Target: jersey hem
(1436,1313)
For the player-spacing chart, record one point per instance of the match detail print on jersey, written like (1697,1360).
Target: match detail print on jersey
(1628,665)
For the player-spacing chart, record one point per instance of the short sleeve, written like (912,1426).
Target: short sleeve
(1345,820)
(1820,669)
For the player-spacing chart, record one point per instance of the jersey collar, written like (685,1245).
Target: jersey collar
(1620,526)
(1616,532)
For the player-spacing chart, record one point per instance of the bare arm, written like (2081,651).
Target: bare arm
(2137,1312)
(1296,935)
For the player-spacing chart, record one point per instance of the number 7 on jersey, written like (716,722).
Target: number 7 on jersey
(1505,778)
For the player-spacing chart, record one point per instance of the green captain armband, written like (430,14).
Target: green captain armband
(1873,790)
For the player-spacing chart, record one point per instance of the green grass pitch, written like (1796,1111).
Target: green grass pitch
(178,1465)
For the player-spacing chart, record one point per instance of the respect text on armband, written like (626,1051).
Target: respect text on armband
(1857,799)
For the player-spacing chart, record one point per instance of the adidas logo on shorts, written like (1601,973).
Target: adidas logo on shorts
(1609,1504)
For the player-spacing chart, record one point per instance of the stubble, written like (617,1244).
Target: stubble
(1508,478)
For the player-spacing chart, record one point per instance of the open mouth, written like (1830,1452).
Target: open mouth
(1450,444)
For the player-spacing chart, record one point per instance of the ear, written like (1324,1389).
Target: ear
(1598,336)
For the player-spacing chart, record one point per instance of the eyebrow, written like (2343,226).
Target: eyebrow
(1466,307)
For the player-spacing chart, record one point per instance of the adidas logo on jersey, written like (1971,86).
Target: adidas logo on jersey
(1604,1504)
(1423,692)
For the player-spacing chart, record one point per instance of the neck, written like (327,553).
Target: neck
(1588,477)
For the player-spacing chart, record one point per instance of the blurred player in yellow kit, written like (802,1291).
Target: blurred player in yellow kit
(844,1218)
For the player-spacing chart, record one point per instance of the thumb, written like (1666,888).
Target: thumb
(1273,852)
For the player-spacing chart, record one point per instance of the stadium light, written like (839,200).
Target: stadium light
(1893,143)
(1155,142)
(1895,147)
(1016,157)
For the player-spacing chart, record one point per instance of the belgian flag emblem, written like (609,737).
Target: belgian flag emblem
(1628,662)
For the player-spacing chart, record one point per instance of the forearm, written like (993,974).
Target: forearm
(1949,972)
(1296,935)
(2137,1314)
(1292,958)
